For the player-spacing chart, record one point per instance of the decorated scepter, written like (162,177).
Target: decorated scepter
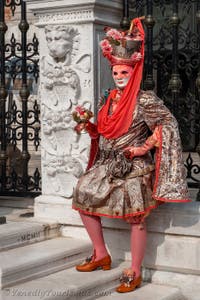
(81,116)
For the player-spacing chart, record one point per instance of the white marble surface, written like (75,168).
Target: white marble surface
(70,284)
(189,285)
(148,292)
(57,209)
(173,253)
(40,259)
(77,11)
(17,234)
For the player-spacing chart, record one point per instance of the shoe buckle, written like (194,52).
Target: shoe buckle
(88,259)
(126,279)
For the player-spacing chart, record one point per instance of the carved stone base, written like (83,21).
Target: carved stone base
(57,209)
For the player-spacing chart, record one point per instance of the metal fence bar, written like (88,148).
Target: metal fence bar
(24,94)
(125,23)
(149,22)
(3,96)
(198,30)
(198,86)
(175,82)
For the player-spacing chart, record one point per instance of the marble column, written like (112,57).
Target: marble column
(72,72)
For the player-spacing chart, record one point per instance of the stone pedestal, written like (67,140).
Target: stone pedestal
(70,68)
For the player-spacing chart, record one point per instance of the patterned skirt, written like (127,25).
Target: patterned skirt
(128,198)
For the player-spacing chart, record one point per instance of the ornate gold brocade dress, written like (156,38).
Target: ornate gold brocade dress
(117,187)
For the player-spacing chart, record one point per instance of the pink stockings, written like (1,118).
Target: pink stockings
(138,246)
(94,229)
(138,240)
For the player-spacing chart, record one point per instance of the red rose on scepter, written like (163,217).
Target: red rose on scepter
(81,115)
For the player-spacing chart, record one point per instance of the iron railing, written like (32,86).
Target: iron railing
(19,120)
(172,66)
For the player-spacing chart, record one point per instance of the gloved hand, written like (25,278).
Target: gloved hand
(89,127)
(79,127)
(131,152)
(92,130)
(151,142)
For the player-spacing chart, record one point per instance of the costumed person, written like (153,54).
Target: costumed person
(122,180)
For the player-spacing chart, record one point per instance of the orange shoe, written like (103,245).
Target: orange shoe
(128,282)
(90,264)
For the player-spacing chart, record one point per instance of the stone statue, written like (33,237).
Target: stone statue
(56,67)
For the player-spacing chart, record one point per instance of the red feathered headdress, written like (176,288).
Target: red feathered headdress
(123,48)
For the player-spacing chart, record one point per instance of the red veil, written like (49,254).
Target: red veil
(117,124)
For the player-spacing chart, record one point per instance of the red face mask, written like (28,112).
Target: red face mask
(121,75)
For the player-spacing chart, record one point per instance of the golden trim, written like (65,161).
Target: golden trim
(141,172)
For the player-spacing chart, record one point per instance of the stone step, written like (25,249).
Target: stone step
(165,252)
(18,202)
(13,213)
(69,284)
(16,234)
(188,284)
(40,259)
(148,291)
